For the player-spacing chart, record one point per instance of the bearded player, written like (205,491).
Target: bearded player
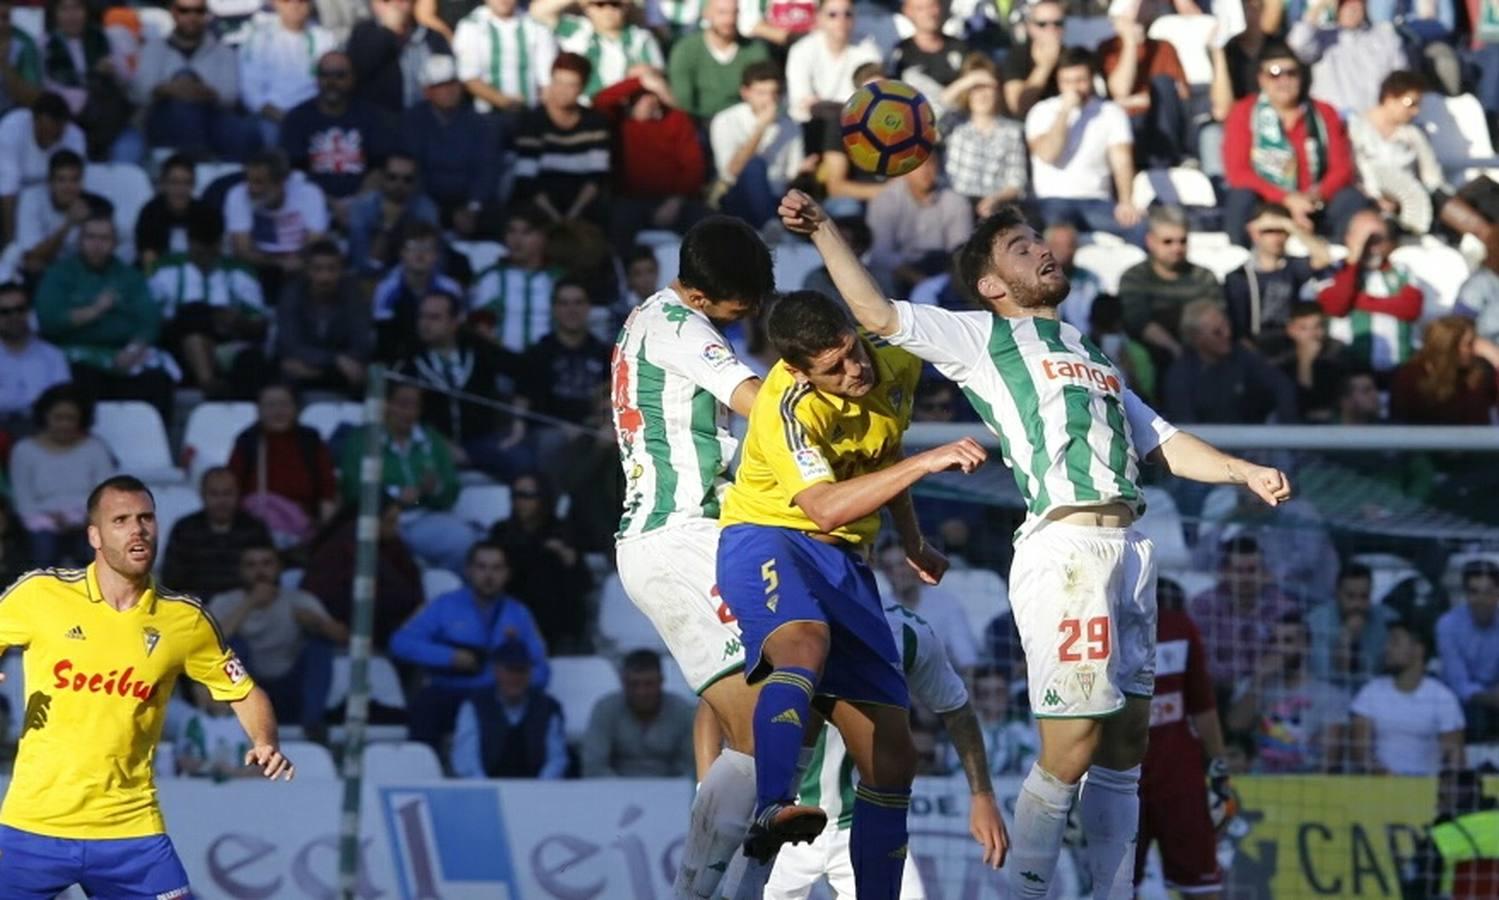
(1082,583)
(104,647)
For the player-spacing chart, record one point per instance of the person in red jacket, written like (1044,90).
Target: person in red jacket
(660,168)
(1372,304)
(1280,147)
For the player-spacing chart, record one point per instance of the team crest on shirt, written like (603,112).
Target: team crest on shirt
(152,637)
(897,398)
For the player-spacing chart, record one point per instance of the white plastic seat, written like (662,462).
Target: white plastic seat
(1459,134)
(1162,523)
(32,20)
(156,22)
(436,582)
(174,502)
(385,763)
(1219,260)
(794,262)
(1087,31)
(127,187)
(1439,271)
(481,254)
(385,684)
(1108,262)
(668,257)
(1387,571)
(1188,35)
(311,759)
(1177,187)
(578,683)
(621,623)
(483,504)
(209,437)
(1452,576)
(206,173)
(326,416)
(982,594)
(135,434)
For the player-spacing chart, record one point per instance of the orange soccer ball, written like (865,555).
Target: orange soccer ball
(888,128)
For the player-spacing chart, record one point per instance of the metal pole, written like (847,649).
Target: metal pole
(357,707)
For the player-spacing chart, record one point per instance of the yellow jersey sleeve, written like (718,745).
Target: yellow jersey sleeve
(802,459)
(211,663)
(16,619)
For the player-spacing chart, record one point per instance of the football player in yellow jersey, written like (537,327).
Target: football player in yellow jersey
(821,457)
(103,649)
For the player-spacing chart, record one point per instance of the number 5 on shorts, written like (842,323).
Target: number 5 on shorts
(1098,638)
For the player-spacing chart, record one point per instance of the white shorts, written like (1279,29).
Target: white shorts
(670,574)
(1084,603)
(800,866)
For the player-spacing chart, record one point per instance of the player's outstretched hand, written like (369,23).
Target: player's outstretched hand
(964,455)
(1268,484)
(986,826)
(270,760)
(800,213)
(929,562)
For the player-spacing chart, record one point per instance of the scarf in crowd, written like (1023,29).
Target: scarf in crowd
(1271,153)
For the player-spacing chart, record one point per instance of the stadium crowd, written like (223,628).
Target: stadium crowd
(474,194)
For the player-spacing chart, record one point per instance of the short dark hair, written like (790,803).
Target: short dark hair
(1479,568)
(273,161)
(804,323)
(1240,545)
(1401,82)
(280,384)
(529,213)
(1416,632)
(1345,383)
(575,63)
(483,545)
(179,161)
(641,661)
(1077,56)
(401,154)
(640,253)
(756,72)
(976,256)
(1267,207)
(51,105)
(1351,570)
(989,670)
(455,303)
(205,224)
(323,247)
(64,159)
(1302,309)
(1106,314)
(563,283)
(1276,49)
(57,394)
(126,484)
(258,544)
(214,472)
(421,231)
(97,214)
(725,258)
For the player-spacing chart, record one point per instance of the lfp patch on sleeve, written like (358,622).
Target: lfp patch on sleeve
(811,465)
(717,355)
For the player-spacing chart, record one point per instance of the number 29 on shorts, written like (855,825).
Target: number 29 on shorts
(1097,639)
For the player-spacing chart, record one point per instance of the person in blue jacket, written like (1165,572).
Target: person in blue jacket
(453,636)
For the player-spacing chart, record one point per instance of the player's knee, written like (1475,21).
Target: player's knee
(803,645)
(1066,753)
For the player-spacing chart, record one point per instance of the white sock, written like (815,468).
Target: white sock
(1110,814)
(1036,836)
(720,817)
(746,878)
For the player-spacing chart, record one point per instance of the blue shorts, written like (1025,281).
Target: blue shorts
(775,576)
(35,867)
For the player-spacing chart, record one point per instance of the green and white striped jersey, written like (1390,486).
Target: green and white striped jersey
(673,376)
(829,780)
(1377,339)
(178,282)
(518,302)
(514,56)
(612,58)
(1068,426)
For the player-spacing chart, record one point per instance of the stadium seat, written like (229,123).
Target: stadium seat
(1459,133)
(312,759)
(579,682)
(982,594)
(1439,271)
(623,625)
(481,254)
(436,582)
(156,22)
(206,173)
(1389,570)
(1087,31)
(1219,260)
(1108,262)
(793,263)
(1177,187)
(668,255)
(173,502)
(128,188)
(1188,35)
(32,20)
(400,762)
(326,417)
(134,432)
(1162,523)
(385,684)
(483,504)
(673,681)
(210,433)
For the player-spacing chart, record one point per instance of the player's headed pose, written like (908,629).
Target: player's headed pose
(819,343)
(725,269)
(1005,261)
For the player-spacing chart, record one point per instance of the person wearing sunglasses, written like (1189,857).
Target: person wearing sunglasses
(1029,71)
(189,84)
(336,138)
(820,68)
(277,62)
(1396,165)
(28,364)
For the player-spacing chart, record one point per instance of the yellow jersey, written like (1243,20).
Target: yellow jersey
(799,436)
(97,685)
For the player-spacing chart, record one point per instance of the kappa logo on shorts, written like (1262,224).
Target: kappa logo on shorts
(732,648)
(1051,698)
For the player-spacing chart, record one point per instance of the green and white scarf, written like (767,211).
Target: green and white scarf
(1271,154)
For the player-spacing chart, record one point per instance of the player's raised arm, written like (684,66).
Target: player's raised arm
(258,720)
(873,310)
(834,504)
(1187,456)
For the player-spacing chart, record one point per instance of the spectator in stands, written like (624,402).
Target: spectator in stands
(563,162)
(381,217)
(1446,382)
(1358,398)
(162,226)
(418,472)
(1155,293)
(78,63)
(99,311)
(757,148)
(930,59)
(453,636)
(1281,148)
(49,215)
(284,635)
(1218,381)
(1146,78)
(28,138)
(202,554)
(550,576)
(777,22)
(820,67)
(1371,302)
(1314,361)
(329,575)
(399,293)
(1079,143)
(1011,741)
(188,83)
(272,216)
(938,607)
(1299,722)
(511,729)
(642,279)
(456,148)
(277,62)
(1262,293)
(20,64)
(504,57)
(324,335)
(1349,57)
(1030,69)
(641,731)
(1478,299)
(28,364)
(510,303)
(916,225)
(567,367)
(442,16)
(284,468)
(447,357)
(337,139)
(389,53)
(1237,615)
(1468,646)
(1348,635)
(707,66)
(217,321)
(659,168)
(1406,722)
(604,37)
(984,155)
(1395,162)
(1062,239)
(212,743)
(52,472)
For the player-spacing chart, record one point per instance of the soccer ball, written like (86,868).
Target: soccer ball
(888,128)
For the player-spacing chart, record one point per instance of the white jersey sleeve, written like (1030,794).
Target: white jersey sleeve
(1146,426)
(705,358)
(929,674)
(951,341)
